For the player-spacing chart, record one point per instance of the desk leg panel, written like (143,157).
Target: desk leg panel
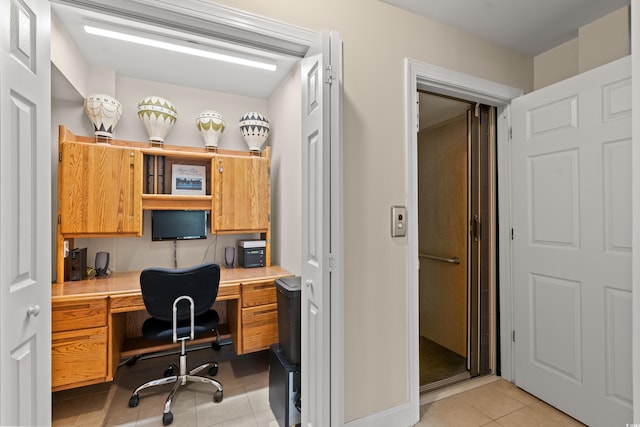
(118,322)
(234,319)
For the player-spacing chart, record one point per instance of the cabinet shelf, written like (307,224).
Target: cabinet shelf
(175,201)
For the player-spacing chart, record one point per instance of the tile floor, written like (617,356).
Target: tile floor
(246,400)
(493,403)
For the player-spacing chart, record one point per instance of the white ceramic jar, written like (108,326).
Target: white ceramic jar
(211,124)
(158,115)
(255,130)
(104,111)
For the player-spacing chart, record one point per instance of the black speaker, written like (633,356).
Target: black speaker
(102,264)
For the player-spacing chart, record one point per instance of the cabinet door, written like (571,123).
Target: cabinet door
(241,201)
(100,189)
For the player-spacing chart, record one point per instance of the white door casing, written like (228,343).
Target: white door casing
(321,74)
(436,79)
(571,199)
(25,213)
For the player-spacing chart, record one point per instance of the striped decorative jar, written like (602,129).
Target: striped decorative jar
(255,130)
(158,115)
(211,124)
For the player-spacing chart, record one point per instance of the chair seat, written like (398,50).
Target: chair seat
(160,330)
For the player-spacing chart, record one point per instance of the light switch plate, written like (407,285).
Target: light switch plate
(398,221)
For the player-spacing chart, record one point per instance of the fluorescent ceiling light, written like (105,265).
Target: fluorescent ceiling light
(118,35)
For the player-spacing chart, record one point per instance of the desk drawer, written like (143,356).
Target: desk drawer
(78,314)
(259,327)
(78,357)
(126,303)
(259,293)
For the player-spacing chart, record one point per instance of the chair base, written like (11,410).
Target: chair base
(180,380)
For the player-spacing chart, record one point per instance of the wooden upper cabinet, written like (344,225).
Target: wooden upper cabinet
(99,188)
(241,194)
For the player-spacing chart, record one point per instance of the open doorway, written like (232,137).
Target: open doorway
(456,150)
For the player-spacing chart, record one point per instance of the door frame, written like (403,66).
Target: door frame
(439,80)
(635,200)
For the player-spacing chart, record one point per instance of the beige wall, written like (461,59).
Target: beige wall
(377,37)
(598,43)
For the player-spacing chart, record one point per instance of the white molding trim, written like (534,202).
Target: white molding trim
(424,76)
(208,19)
(635,171)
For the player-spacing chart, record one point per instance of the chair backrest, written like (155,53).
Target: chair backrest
(161,286)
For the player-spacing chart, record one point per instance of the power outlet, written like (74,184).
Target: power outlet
(398,221)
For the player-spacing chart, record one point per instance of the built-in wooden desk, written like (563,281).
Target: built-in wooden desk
(96,322)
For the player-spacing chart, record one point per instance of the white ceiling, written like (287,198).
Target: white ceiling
(164,66)
(527,26)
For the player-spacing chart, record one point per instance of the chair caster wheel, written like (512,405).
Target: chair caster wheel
(170,371)
(217,396)
(134,400)
(213,371)
(167,418)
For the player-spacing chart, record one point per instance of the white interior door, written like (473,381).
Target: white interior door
(321,206)
(571,163)
(25,213)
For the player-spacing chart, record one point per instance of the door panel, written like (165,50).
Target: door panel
(571,163)
(321,76)
(25,213)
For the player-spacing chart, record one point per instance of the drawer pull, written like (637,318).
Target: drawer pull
(62,341)
(72,307)
(265,311)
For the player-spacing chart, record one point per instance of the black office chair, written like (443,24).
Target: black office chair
(179,302)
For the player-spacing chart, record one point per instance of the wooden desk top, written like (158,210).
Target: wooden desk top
(129,282)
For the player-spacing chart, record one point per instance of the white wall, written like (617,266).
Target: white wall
(286,172)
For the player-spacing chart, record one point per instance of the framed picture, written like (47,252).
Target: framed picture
(188,179)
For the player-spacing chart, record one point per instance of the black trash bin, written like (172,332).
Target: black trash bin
(288,299)
(284,388)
